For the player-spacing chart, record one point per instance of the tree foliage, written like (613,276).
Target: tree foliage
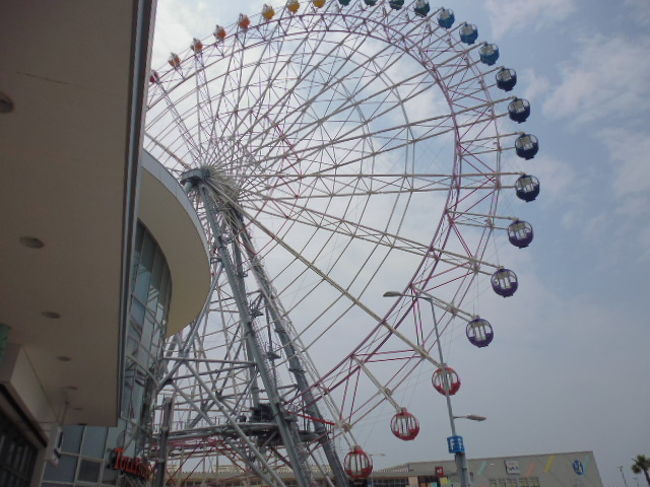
(642,464)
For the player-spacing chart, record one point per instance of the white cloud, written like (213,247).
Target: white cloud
(629,154)
(558,178)
(536,84)
(515,15)
(640,10)
(607,77)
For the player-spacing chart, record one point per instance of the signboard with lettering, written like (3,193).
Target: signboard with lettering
(578,467)
(134,466)
(512,467)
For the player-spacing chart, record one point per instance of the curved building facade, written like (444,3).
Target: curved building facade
(101,253)
(98,455)
(169,282)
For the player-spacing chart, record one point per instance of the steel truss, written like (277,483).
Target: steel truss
(285,134)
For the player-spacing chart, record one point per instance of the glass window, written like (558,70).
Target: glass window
(64,472)
(141,289)
(163,302)
(158,265)
(109,476)
(137,311)
(89,471)
(94,442)
(72,439)
(148,329)
(137,248)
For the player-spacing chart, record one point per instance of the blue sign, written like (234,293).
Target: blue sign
(455,444)
(578,467)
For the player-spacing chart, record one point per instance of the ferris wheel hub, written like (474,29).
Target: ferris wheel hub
(223,184)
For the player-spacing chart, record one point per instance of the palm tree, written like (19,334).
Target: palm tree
(642,464)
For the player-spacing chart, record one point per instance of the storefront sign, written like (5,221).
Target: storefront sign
(512,467)
(133,466)
(440,471)
(578,467)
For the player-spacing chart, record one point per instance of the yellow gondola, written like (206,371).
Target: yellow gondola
(268,12)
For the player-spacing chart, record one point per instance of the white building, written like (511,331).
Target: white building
(76,194)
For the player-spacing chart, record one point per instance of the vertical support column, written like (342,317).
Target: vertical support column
(234,272)
(161,470)
(295,365)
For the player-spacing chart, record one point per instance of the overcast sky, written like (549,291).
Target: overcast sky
(569,369)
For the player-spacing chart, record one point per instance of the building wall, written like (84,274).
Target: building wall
(88,452)
(546,470)
(17,455)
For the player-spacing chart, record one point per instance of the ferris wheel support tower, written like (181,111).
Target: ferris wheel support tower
(217,194)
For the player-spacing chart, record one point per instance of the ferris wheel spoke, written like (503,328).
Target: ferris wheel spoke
(379,182)
(183,131)
(344,292)
(430,132)
(204,111)
(385,91)
(354,230)
(185,165)
(351,103)
(336,79)
(311,67)
(269,81)
(361,185)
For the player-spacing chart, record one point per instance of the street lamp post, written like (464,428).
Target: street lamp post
(454,442)
(620,469)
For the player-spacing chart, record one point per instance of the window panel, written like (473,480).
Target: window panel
(94,442)
(89,471)
(141,289)
(64,472)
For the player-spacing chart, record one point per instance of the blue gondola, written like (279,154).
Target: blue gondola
(506,79)
(344,2)
(446,18)
(479,332)
(370,3)
(526,146)
(519,110)
(489,53)
(504,282)
(527,187)
(396,4)
(468,33)
(422,8)
(520,233)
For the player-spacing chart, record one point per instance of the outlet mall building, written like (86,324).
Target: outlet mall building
(101,253)
(572,469)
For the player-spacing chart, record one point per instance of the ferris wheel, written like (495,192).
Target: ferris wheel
(333,150)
